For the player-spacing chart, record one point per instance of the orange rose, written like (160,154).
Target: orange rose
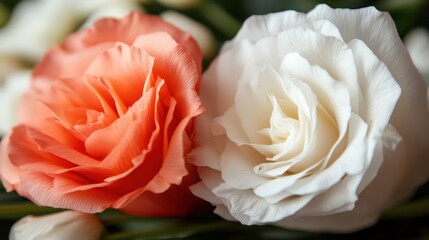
(107,121)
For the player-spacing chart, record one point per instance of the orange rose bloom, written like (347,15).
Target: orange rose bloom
(107,121)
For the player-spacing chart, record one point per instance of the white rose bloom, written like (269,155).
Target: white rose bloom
(201,33)
(67,225)
(417,43)
(306,126)
(35,25)
(10,93)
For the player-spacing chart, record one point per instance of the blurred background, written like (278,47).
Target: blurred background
(221,17)
(28,28)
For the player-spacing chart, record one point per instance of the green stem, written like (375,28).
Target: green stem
(414,209)
(219,18)
(178,231)
(18,210)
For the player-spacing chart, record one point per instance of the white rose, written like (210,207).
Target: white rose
(305,118)
(10,93)
(67,225)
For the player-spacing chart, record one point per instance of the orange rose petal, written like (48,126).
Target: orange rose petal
(121,104)
(188,101)
(150,156)
(173,63)
(72,181)
(153,149)
(100,120)
(40,187)
(59,62)
(128,198)
(63,136)
(110,29)
(100,90)
(67,117)
(30,106)
(125,69)
(174,166)
(23,153)
(9,173)
(145,168)
(62,100)
(169,125)
(111,141)
(35,114)
(50,145)
(138,202)
(102,143)
(108,142)
(176,201)
(73,89)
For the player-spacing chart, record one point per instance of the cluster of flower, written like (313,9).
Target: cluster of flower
(314,121)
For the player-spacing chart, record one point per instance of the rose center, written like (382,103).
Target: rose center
(283,122)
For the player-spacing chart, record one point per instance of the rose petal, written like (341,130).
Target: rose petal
(110,29)
(256,27)
(378,31)
(40,188)
(62,63)
(129,69)
(8,172)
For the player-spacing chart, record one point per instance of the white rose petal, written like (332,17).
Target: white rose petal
(314,121)
(67,225)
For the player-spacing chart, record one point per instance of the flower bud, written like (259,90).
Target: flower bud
(179,4)
(201,33)
(67,225)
